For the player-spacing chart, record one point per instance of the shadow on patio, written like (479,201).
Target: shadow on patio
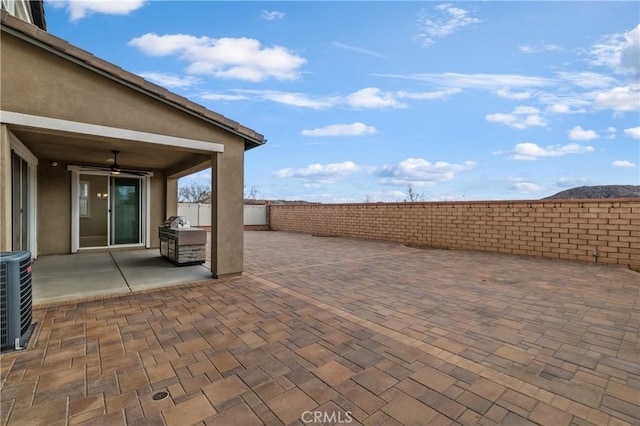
(60,278)
(335,329)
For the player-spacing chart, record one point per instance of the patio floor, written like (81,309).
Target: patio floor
(64,277)
(340,330)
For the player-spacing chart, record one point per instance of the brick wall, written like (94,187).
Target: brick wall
(571,229)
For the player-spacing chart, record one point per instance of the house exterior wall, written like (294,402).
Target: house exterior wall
(59,88)
(54,213)
(5,189)
(37,82)
(566,229)
(227,204)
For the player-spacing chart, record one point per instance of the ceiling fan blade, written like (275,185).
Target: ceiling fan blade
(115,168)
(105,169)
(134,172)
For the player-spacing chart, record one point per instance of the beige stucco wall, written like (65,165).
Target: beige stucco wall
(5,189)
(58,88)
(227,210)
(54,208)
(158,212)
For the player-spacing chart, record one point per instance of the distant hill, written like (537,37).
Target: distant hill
(603,191)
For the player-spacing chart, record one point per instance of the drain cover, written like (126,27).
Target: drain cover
(160,395)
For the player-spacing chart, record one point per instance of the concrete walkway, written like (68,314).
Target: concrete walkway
(329,330)
(90,274)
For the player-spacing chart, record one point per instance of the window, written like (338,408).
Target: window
(83,195)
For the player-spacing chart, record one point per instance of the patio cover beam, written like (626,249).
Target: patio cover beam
(55,124)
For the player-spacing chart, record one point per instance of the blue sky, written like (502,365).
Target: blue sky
(358,100)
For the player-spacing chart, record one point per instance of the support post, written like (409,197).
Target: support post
(227,219)
(5,190)
(171,194)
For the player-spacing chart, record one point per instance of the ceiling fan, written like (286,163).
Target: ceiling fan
(116,169)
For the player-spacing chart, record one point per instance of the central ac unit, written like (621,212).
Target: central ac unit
(15,299)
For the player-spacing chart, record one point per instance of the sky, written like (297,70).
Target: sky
(360,101)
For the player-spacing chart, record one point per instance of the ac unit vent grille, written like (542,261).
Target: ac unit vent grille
(3,304)
(15,298)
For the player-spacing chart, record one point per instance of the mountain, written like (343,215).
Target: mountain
(603,191)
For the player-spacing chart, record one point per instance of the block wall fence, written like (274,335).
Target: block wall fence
(566,229)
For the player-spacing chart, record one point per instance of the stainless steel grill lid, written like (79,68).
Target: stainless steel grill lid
(177,222)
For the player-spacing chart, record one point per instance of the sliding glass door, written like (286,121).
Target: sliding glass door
(93,209)
(109,210)
(125,211)
(20,202)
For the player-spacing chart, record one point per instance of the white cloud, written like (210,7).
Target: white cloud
(272,15)
(447,20)
(559,108)
(565,93)
(564,108)
(292,98)
(223,97)
(540,49)
(231,58)
(525,110)
(630,53)
(315,174)
(525,185)
(384,196)
(528,151)
(521,117)
(420,172)
(565,103)
(620,52)
(353,129)
(619,99)
(297,99)
(623,163)
(169,80)
(633,132)
(588,80)
(372,97)
(78,9)
(438,94)
(580,134)
(508,94)
(477,81)
(357,49)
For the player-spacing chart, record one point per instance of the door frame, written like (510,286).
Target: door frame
(145,209)
(112,214)
(32,191)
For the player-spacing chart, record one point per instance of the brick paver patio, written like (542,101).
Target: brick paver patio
(338,330)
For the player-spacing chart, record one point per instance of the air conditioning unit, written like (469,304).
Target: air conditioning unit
(15,299)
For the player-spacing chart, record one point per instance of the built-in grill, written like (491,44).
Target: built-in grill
(181,243)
